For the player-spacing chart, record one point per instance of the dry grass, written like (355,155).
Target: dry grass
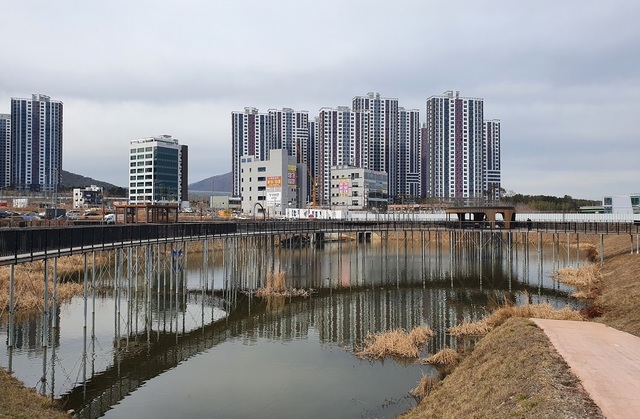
(398,343)
(619,298)
(512,372)
(502,314)
(29,284)
(584,277)
(275,287)
(424,387)
(444,357)
(17,401)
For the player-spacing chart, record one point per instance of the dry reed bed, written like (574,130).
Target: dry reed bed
(29,283)
(398,343)
(444,357)
(587,279)
(502,314)
(275,287)
(424,387)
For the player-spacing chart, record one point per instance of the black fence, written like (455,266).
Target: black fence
(27,244)
(32,243)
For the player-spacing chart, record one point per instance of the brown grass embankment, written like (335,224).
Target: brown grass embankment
(619,293)
(512,372)
(398,343)
(18,401)
(502,314)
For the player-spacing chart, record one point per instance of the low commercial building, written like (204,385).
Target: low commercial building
(355,188)
(271,186)
(621,204)
(90,196)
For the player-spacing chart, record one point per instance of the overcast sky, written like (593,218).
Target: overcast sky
(563,76)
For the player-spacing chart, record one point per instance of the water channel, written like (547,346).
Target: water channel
(203,347)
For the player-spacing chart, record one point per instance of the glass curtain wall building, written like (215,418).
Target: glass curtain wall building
(156,170)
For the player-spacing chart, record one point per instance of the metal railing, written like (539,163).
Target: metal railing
(27,244)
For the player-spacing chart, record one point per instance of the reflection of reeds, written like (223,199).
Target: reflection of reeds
(424,387)
(502,314)
(395,343)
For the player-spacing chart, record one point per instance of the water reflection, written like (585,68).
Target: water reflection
(148,325)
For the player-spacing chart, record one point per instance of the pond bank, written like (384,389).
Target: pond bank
(514,371)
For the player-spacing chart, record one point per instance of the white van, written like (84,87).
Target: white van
(110,219)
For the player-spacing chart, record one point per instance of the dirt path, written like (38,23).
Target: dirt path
(606,360)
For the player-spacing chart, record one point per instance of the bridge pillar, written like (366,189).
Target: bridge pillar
(364,237)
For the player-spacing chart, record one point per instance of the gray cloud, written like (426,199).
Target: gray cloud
(562,76)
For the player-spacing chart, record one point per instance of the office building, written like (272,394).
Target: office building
(36,143)
(355,188)
(157,170)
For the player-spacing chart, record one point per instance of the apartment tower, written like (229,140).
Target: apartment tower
(5,150)
(492,159)
(36,143)
(455,147)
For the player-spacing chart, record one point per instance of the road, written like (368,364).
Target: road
(606,360)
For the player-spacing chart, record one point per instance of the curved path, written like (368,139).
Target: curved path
(606,360)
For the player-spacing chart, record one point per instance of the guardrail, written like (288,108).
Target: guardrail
(26,244)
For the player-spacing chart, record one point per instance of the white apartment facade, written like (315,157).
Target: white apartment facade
(455,147)
(492,179)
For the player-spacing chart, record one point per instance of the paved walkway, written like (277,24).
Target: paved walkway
(606,360)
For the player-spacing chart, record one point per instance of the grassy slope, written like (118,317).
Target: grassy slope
(17,401)
(514,372)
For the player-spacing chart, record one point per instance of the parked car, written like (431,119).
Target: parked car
(110,219)
(73,214)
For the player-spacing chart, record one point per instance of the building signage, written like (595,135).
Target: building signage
(291,175)
(274,182)
(343,188)
(273,198)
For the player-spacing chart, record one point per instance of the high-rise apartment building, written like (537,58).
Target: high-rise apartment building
(5,150)
(36,143)
(381,142)
(255,134)
(455,147)
(342,138)
(492,159)
(408,157)
(158,170)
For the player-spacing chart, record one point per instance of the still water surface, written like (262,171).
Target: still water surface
(197,353)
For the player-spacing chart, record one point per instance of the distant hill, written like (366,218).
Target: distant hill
(70,180)
(218,183)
